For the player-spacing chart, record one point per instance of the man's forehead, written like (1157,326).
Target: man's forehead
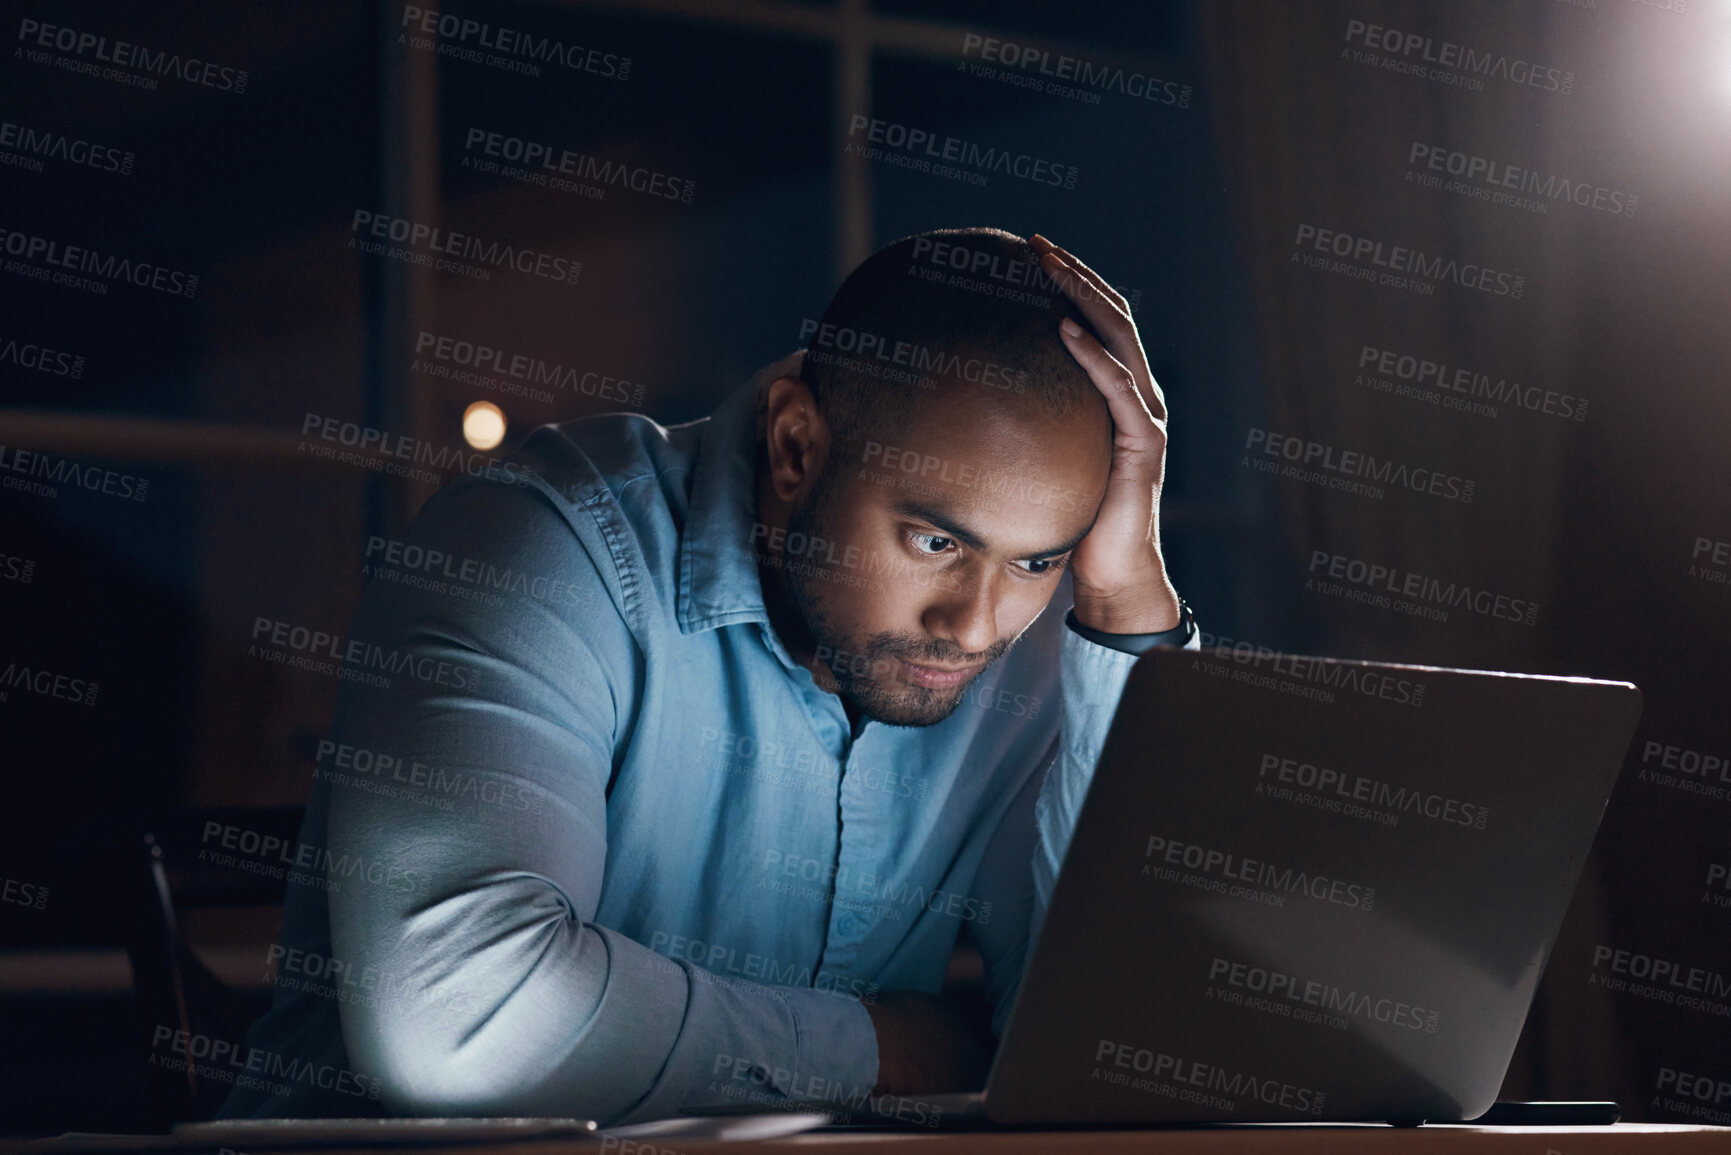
(950,407)
(950,436)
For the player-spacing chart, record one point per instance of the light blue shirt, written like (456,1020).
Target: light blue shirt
(603,849)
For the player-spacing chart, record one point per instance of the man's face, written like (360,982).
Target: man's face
(916,564)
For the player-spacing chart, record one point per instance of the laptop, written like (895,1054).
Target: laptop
(1306,890)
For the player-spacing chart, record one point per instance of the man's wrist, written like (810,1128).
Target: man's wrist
(1141,642)
(1153,608)
(883,1032)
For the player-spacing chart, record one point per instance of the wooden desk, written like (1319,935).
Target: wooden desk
(1300,1139)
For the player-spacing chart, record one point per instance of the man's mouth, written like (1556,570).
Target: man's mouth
(938,677)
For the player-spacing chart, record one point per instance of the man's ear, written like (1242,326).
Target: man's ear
(797,437)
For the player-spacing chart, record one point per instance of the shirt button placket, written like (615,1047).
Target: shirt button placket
(855,861)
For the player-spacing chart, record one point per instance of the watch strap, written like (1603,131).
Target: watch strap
(1179,635)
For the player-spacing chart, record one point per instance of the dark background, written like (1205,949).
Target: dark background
(1190,208)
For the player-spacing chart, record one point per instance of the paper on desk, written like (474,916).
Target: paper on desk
(727,1128)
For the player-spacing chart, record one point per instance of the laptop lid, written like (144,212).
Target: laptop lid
(1309,889)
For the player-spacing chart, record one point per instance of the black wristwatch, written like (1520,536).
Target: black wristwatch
(1178,636)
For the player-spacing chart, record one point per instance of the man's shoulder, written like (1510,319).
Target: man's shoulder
(616,486)
(586,458)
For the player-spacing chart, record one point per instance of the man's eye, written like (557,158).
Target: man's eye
(931,544)
(1041,565)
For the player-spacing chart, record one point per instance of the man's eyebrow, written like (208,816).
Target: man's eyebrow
(972,540)
(1063,549)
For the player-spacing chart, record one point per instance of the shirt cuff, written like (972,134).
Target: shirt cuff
(837,1044)
(747,1042)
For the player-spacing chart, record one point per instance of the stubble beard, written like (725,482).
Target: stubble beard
(866,670)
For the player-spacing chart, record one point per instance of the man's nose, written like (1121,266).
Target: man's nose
(965,615)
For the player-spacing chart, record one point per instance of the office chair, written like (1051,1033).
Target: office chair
(182,1007)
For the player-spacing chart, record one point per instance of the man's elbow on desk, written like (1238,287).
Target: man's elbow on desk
(500,1004)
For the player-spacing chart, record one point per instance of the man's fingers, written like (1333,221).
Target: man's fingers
(1081,289)
(1117,326)
(1077,268)
(1131,412)
(1113,323)
(1120,332)
(1044,245)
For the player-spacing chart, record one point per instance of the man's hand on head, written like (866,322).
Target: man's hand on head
(1118,569)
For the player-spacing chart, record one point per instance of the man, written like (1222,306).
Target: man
(752,718)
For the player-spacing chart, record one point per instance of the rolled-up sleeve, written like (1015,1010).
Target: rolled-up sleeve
(505,997)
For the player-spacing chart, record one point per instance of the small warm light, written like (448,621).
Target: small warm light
(483,425)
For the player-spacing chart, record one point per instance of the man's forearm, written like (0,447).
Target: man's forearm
(638,1035)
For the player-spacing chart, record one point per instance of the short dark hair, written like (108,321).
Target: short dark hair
(941,310)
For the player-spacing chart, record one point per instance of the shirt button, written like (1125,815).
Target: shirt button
(845,924)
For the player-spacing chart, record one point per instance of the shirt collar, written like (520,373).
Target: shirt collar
(718,578)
